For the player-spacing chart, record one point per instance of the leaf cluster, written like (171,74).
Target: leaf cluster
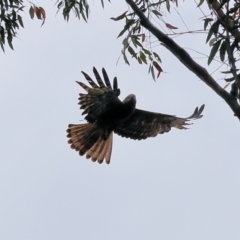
(10,20)
(135,41)
(222,40)
(80,8)
(132,29)
(133,45)
(38,11)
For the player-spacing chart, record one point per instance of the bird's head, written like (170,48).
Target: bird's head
(130,99)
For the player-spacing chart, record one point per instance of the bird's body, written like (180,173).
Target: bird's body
(106,114)
(117,113)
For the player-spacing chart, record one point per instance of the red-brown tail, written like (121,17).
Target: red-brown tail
(88,139)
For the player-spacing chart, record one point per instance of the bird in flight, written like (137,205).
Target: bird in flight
(107,114)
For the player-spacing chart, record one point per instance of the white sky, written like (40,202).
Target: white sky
(181,185)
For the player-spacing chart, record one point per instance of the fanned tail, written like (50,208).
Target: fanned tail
(88,139)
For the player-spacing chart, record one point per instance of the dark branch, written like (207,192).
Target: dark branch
(186,60)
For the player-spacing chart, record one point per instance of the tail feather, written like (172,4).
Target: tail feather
(88,139)
(94,152)
(101,150)
(98,150)
(109,149)
(104,151)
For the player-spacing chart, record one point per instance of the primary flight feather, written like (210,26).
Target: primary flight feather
(106,114)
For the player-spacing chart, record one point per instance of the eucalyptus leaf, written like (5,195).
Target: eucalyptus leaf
(214,51)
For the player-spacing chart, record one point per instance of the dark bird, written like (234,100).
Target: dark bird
(106,114)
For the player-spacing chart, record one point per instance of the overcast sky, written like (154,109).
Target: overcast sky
(181,185)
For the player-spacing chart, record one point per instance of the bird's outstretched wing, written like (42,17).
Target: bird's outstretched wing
(143,124)
(99,98)
(106,113)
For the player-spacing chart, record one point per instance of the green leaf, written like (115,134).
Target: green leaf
(146,51)
(212,41)
(139,60)
(150,58)
(152,72)
(87,9)
(125,58)
(14,16)
(126,27)
(2,46)
(21,8)
(214,50)
(83,15)
(157,57)
(157,66)
(228,72)
(229,79)
(125,42)
(213,29)
(9,38)
(67,17)
(135,41)
(60,4)
(143,57)
(168,5)
(20,21)
(2,35)
(206,22)
(157,13)
(131,51)
(31,12)
(119,17)
(200,3)
(222,50)
(6,4)
(149,69)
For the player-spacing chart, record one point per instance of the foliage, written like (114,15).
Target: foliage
(223,36)
(222,27)
(11,19)
(137,41)
(133,43)
(80,8)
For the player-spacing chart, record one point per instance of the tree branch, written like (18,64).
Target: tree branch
(187,60)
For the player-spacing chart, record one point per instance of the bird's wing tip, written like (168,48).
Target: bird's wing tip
(197,113)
